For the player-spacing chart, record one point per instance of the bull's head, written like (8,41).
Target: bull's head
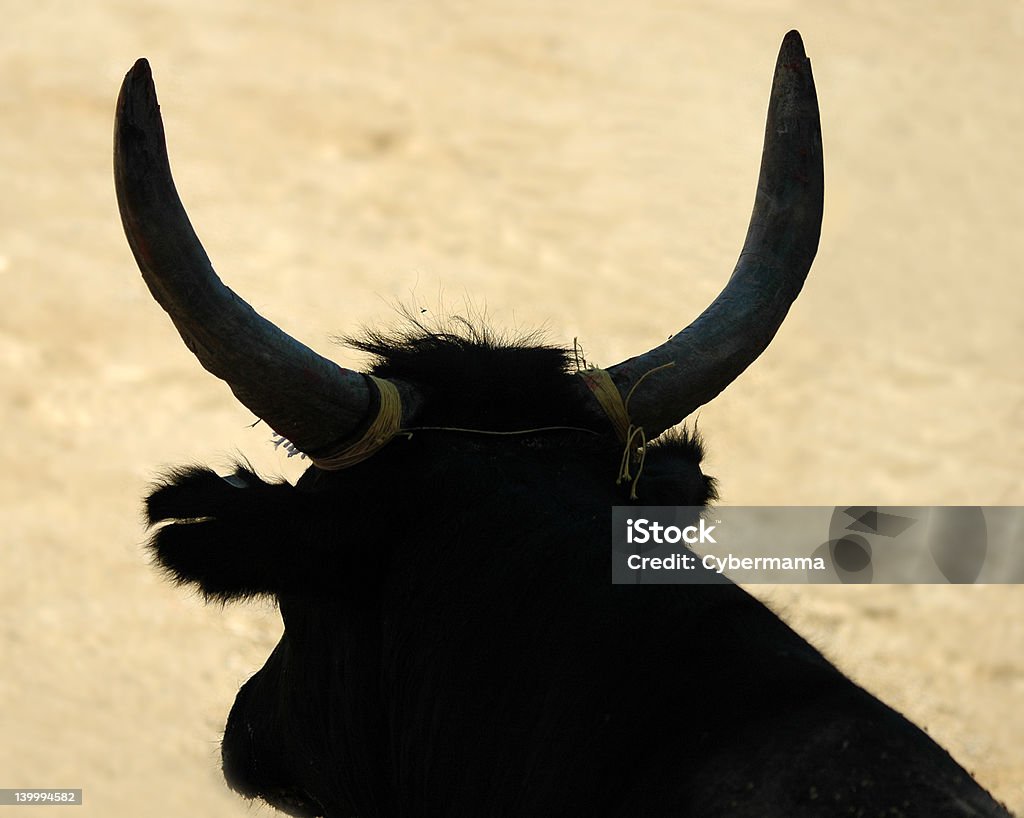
(390,574)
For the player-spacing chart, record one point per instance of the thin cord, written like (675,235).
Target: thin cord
(608,395)
(411,429)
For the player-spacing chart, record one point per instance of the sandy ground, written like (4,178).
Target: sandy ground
(584,166)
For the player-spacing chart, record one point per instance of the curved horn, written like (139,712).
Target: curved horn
(303,396)
(781,242)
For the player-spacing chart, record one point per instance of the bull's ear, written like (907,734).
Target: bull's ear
(672,474)
(219,533)
(239,536)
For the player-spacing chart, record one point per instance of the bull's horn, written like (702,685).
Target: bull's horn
(301,395)
(781,242)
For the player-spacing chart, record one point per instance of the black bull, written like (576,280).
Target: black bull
(453,645)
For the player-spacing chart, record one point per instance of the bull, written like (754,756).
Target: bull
(452,643)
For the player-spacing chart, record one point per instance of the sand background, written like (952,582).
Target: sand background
(588,167)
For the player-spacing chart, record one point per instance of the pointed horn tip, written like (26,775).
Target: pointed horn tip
(792,49)
(137,100)
(141,69)
(139,79)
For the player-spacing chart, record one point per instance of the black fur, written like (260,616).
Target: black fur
(454,646)
(474,377)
